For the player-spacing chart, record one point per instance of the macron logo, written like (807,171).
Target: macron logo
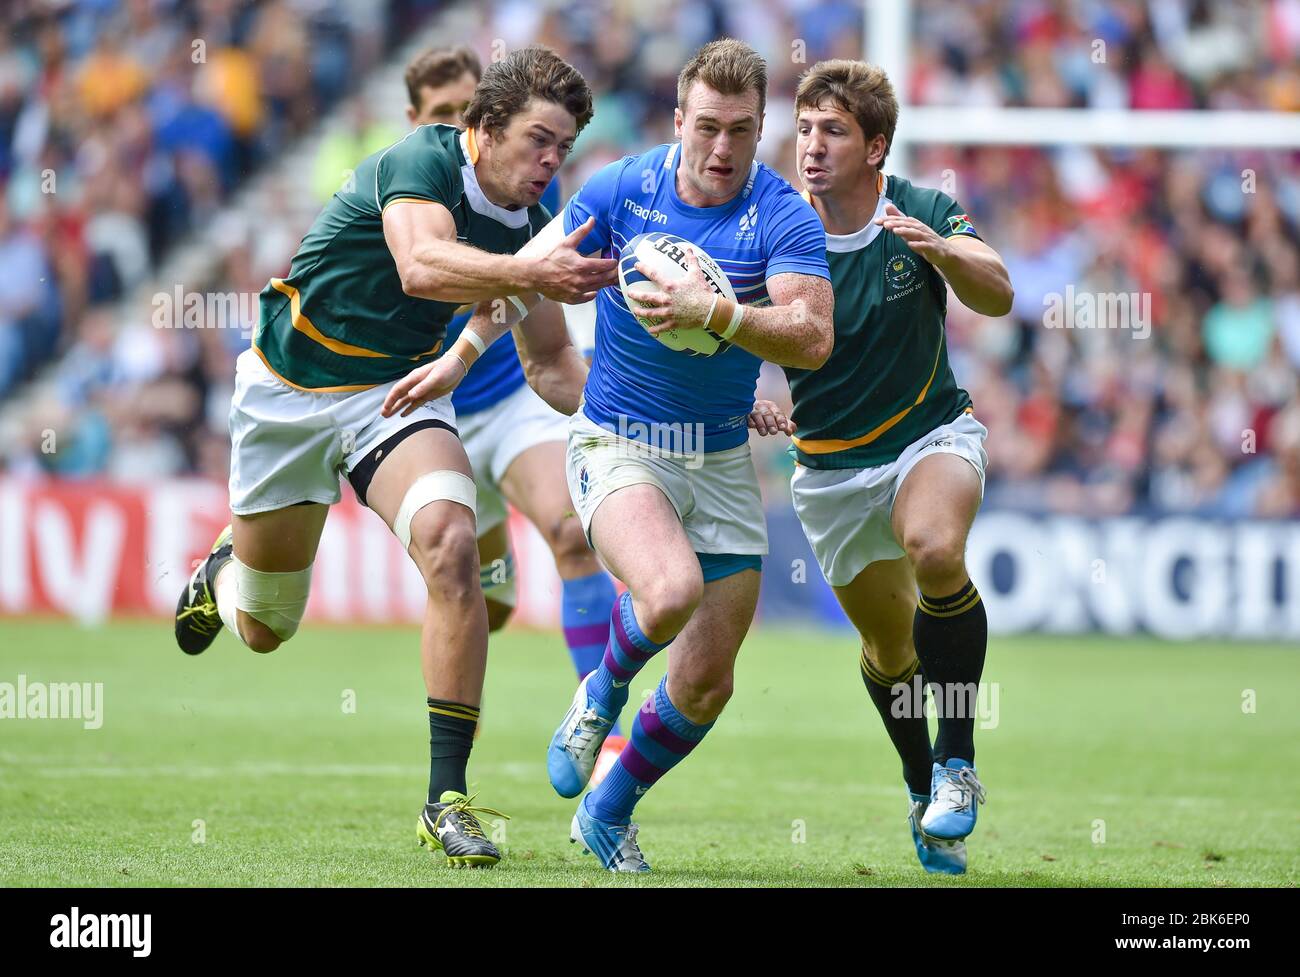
(653,216)
(123,930)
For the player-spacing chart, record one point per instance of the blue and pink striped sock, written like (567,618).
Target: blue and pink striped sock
(626,653)
(661,738)
(585,608)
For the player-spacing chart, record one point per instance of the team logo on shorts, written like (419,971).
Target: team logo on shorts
(583,481)
(900,271)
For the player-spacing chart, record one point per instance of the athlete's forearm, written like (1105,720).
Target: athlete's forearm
(493,318)
(785,335)
(978,278)
(451,272)
(798,329)
(559,379)
(553,366)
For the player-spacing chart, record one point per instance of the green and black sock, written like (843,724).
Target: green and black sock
(902,711)
(951,635)
(451,737)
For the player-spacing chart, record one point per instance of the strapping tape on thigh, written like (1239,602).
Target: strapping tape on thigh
(432,487)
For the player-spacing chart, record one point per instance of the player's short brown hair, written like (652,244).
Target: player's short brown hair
(863,90)
(437,66)
(532,72)
(729,67)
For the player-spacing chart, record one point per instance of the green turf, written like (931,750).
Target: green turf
(797,784)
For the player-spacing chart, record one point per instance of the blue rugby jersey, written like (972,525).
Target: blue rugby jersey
(635,381)
(497,373)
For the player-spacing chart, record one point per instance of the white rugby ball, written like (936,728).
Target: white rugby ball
(666,254)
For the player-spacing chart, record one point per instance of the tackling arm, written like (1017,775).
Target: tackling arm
(552,366)
(421,236)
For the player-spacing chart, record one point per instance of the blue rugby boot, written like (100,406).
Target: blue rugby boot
(955,796)
(936,855)
(572,754)
(614,845)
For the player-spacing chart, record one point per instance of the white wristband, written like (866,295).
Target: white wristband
(737,314)
(519,305)
(475,340)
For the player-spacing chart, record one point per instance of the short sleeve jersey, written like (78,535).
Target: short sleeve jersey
(767,229)
(887,382)
(340,320)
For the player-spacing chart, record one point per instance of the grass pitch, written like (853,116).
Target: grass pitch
(1112,763)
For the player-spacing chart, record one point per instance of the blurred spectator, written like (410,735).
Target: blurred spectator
(122,127)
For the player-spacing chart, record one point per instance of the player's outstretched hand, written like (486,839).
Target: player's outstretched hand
(683,303)
(424,383)
(920,237)
(564,275)
(767,418)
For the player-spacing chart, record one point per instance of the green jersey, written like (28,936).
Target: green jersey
(339,320)
(887,382)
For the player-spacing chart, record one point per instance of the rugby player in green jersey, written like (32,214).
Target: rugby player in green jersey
(890,456)
(423,227)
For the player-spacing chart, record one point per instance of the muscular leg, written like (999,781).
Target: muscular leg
(702,659)
(454,642)
(279,541)
(640,538)
(881,603)
(932,516)
(679,713)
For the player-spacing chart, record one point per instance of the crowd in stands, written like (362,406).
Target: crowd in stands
(124,126)
(1187,404)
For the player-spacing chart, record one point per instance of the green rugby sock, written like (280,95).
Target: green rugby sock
(951,635)
(451,737)
(902,710)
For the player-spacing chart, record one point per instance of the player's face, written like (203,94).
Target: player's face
(832,153)
(444,104)
(719,135)
(524,157)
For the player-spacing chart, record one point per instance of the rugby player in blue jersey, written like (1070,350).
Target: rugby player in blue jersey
(658,462)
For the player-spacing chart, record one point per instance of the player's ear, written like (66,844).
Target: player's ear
(677,122)
(410,115)
(876,149)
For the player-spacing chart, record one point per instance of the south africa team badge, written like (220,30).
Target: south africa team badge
(901,270)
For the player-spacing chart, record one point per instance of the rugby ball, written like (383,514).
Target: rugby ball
(666,254)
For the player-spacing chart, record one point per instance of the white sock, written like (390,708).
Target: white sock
(224,591)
